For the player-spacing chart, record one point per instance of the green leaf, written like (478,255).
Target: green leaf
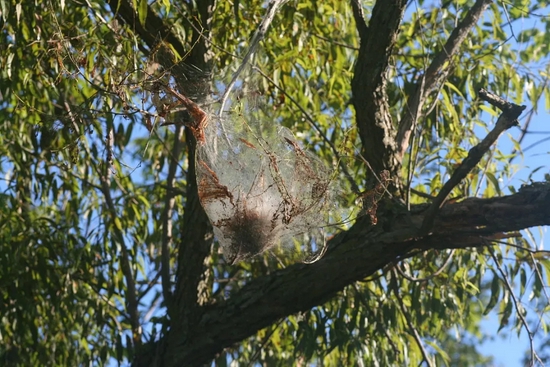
(494,181)
(142,12)
(166,4)
(506,313)
(440,351)
(495,294)
(489,110)
(118,224)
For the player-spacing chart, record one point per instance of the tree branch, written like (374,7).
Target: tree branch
(196,239)
(508,118)
(519,310)
(152,32)
(368,86)
(431,276)
(131,292)
(196,234)
(406,314)
(272,9)
(356,254)
(436,74)
(167,214)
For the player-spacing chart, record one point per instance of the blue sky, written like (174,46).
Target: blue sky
(506,348)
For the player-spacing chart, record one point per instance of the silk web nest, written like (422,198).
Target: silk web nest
(259,187)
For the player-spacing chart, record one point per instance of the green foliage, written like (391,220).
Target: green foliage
(82,215)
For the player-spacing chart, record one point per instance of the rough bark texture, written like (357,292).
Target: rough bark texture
(198,332)
(370,98)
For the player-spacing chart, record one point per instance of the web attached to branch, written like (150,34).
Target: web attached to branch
(259,187)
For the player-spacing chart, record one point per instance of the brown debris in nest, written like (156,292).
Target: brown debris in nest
(251,233)
(209,186)
(199,118)
(372,197)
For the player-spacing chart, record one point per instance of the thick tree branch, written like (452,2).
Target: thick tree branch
(356,254)
(435,74)
(368,86)
(198,332)
(194,247)
(508,118)
(152,32)
(196,239)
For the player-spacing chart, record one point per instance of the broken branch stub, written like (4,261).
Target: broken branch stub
(507,119)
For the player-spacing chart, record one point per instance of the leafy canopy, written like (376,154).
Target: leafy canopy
(88,174)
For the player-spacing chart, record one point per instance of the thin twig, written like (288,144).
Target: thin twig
(335,42)
(272,9)
(509,21)
(414,112)
(508,118)
(535,144)
(363,301)
(431,276)
(541,279)
(533,252)
(376,276)
(149,285)
(484,172)
(525,127)
(406,315)
(360,156)
(534,355)
(539,274)
(167,214)
(422,194)
(254,357)
(131,294)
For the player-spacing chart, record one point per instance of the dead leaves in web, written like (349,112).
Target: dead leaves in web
(372,197)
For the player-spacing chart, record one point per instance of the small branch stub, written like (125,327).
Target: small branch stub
(508,119)
(513,110)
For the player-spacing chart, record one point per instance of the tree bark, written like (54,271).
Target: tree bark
(370,99)
(355,255)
